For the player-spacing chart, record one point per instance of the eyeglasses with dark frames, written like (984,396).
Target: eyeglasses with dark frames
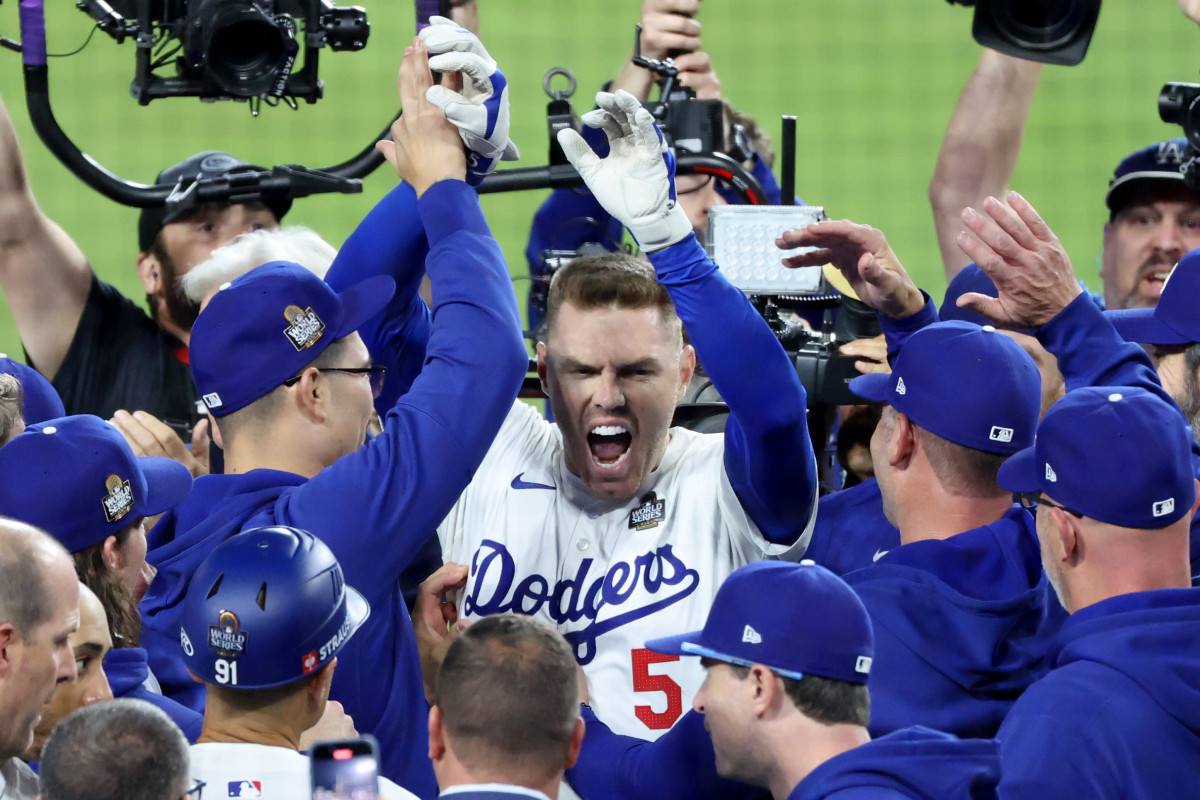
(375,374)
(1031,500)
(196,791)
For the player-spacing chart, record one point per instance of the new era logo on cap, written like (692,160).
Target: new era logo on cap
(1050,476)
(751,636)
(1164,507)
(900,387)
(1000,434)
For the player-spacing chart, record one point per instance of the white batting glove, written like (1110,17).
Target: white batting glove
(481,111)
(636,182)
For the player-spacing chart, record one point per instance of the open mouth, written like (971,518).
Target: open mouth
(609,445)
(1153,281)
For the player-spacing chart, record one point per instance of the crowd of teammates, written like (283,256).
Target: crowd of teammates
(219,514)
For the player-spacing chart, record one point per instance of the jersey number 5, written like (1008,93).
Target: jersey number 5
(643,681)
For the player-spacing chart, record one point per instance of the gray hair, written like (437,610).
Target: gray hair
(25,593)
(115,750)
(250,250)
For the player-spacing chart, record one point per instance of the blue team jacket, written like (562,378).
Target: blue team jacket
(1118,716)
(127,671)
(910,764)
(852,531)
(961,627)
(376,507)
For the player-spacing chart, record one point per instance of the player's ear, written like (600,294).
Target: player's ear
(437,737)
(1063,536)
(576,743)
(902,441)
(1196,502)
(311,395)
(541,366)
(687,368)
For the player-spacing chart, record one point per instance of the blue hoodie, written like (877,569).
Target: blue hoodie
(851,530)
(375,507)
(1118,716)
(961,627)
(127,672)
(910,764)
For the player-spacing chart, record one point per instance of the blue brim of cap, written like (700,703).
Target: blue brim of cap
(673,645)
(167,483)
(1019,472)
(871,387)
(1141,325)
(364,300)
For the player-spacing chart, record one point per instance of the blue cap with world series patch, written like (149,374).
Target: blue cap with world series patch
(77,479)
(39,401)
(1158,162)
(267,607)
(795,619)
(969,384)
(1117,454)
(208,164)
(267,325)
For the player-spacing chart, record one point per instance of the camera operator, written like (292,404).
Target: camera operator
(1154,217)
(101,352)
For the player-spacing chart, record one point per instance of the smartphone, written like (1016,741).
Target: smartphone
(428,8)
(345,770)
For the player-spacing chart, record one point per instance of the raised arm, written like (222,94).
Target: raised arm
(397,489)
(768,456)
(44,274)
(979,151)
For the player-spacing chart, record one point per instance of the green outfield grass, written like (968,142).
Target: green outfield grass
(873,83)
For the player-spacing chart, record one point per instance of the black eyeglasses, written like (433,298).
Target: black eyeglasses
(196,790)
(376,376)
(1031,500)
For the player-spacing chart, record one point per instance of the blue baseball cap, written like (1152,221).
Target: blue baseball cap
(39,401)
(1158,162)
(969,279)
(77,479)
(1176,319)
(1117,454)
(268,324)
(969,384)
(796,619)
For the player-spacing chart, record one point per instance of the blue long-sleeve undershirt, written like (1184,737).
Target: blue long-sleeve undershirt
(768,453)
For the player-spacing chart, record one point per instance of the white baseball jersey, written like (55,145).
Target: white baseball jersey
(609,575)
(234,769)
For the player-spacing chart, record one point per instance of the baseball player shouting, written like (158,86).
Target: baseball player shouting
(610,523)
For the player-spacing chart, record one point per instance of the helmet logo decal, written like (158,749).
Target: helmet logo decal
(226,638)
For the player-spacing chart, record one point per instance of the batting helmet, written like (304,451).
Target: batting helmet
(267,607)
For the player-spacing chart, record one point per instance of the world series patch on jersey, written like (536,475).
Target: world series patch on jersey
(608,575)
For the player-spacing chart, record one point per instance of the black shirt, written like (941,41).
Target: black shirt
(120,358)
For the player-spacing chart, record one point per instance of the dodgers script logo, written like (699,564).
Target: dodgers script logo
(572,599)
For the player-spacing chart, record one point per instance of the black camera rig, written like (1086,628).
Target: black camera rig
(1179,104)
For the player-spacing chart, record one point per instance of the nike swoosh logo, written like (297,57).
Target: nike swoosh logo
(517,483)
(879,554)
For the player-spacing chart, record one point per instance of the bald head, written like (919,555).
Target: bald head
(27,557)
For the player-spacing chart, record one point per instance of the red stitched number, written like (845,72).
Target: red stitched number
(643,681)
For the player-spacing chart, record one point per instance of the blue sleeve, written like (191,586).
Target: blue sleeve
(896,330)
(393,492)
(680,764)
(768,453)
(1090,352)
(390,241)
(1042,757)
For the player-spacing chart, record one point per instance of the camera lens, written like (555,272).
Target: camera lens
(1039,23)
(246,50)
(240,48)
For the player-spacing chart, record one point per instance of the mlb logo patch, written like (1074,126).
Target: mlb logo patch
(1050,476)
(900,387)
(863,664)
(1164,507)
(212,400)
(999,434)
(245,789)
(309,662)
(751,636)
